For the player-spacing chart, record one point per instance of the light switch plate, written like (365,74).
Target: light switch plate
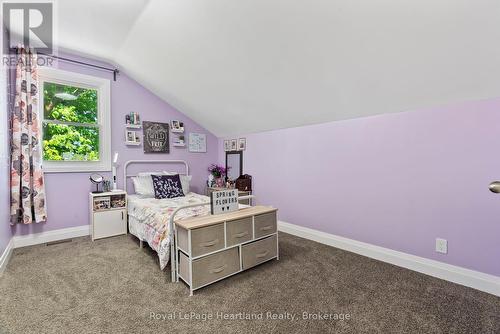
(441,245)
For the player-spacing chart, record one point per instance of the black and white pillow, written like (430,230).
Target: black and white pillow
(167,186)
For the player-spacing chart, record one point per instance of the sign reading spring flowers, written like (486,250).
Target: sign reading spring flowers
(224,201)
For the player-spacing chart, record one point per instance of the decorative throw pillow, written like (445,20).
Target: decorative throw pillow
(185,180)
(167,186)
(143,183)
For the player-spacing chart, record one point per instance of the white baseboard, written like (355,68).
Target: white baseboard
(4,259)
(470,278)
(49,236)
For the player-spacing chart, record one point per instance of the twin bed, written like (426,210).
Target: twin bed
(151,220)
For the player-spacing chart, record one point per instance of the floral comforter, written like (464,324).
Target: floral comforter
(154,214)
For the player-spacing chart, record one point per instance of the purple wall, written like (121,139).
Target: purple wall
(67,193)
(396,181)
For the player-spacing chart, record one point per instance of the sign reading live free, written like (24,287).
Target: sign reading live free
(224,201)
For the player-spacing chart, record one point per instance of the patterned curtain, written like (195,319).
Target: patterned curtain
(27,186)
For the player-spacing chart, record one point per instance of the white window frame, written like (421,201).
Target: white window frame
(103,119)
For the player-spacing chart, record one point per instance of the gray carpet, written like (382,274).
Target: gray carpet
(112,286)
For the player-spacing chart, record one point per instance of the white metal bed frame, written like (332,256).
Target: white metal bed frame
(171,225)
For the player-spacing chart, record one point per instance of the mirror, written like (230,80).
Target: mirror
(234,164)
(96,179)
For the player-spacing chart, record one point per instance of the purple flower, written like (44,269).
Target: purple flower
(217,171)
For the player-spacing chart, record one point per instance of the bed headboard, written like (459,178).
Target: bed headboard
(145,162)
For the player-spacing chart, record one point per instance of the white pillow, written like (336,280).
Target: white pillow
(143,185)
(185,179)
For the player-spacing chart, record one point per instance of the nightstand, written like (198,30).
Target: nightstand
(108,214)
(240,193)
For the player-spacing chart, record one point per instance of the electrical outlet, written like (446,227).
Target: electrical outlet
(441,245)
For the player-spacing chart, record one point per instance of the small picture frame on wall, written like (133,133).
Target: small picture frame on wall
(234,145)
(242,144)
(227,145)
(177,126)
(132,138)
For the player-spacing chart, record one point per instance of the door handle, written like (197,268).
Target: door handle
(495,187)
(122,215)
(261,255)
(210,243)
(218,270)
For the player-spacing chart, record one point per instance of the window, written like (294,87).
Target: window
(75,113)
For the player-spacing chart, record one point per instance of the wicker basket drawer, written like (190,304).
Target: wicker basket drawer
(207,239)
(215,266)
(265,224)
(238,231)
(184,267)
(259,251)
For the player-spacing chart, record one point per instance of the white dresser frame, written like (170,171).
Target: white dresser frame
(189,280)
(171,225)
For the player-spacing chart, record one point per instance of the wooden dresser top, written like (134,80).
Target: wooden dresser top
(196,222)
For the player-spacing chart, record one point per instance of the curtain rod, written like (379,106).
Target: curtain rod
(114,70)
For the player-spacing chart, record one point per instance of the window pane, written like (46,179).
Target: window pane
(70,143)
(69,103)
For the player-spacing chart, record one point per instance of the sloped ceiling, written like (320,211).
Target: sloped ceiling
(241,66)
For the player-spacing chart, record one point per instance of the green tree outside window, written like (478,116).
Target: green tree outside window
(70,127)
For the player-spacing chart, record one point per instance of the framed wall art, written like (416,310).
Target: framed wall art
(234,144)
(197,142)
(132,138)
(177,126)
(156,137)
(242,144)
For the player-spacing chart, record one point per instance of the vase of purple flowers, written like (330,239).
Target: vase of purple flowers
(218,172)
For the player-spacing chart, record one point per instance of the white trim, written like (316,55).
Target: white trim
(49,236)
(103,87)
(470,278)
(4,259)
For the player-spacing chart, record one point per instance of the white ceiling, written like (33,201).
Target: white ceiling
(253,65)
